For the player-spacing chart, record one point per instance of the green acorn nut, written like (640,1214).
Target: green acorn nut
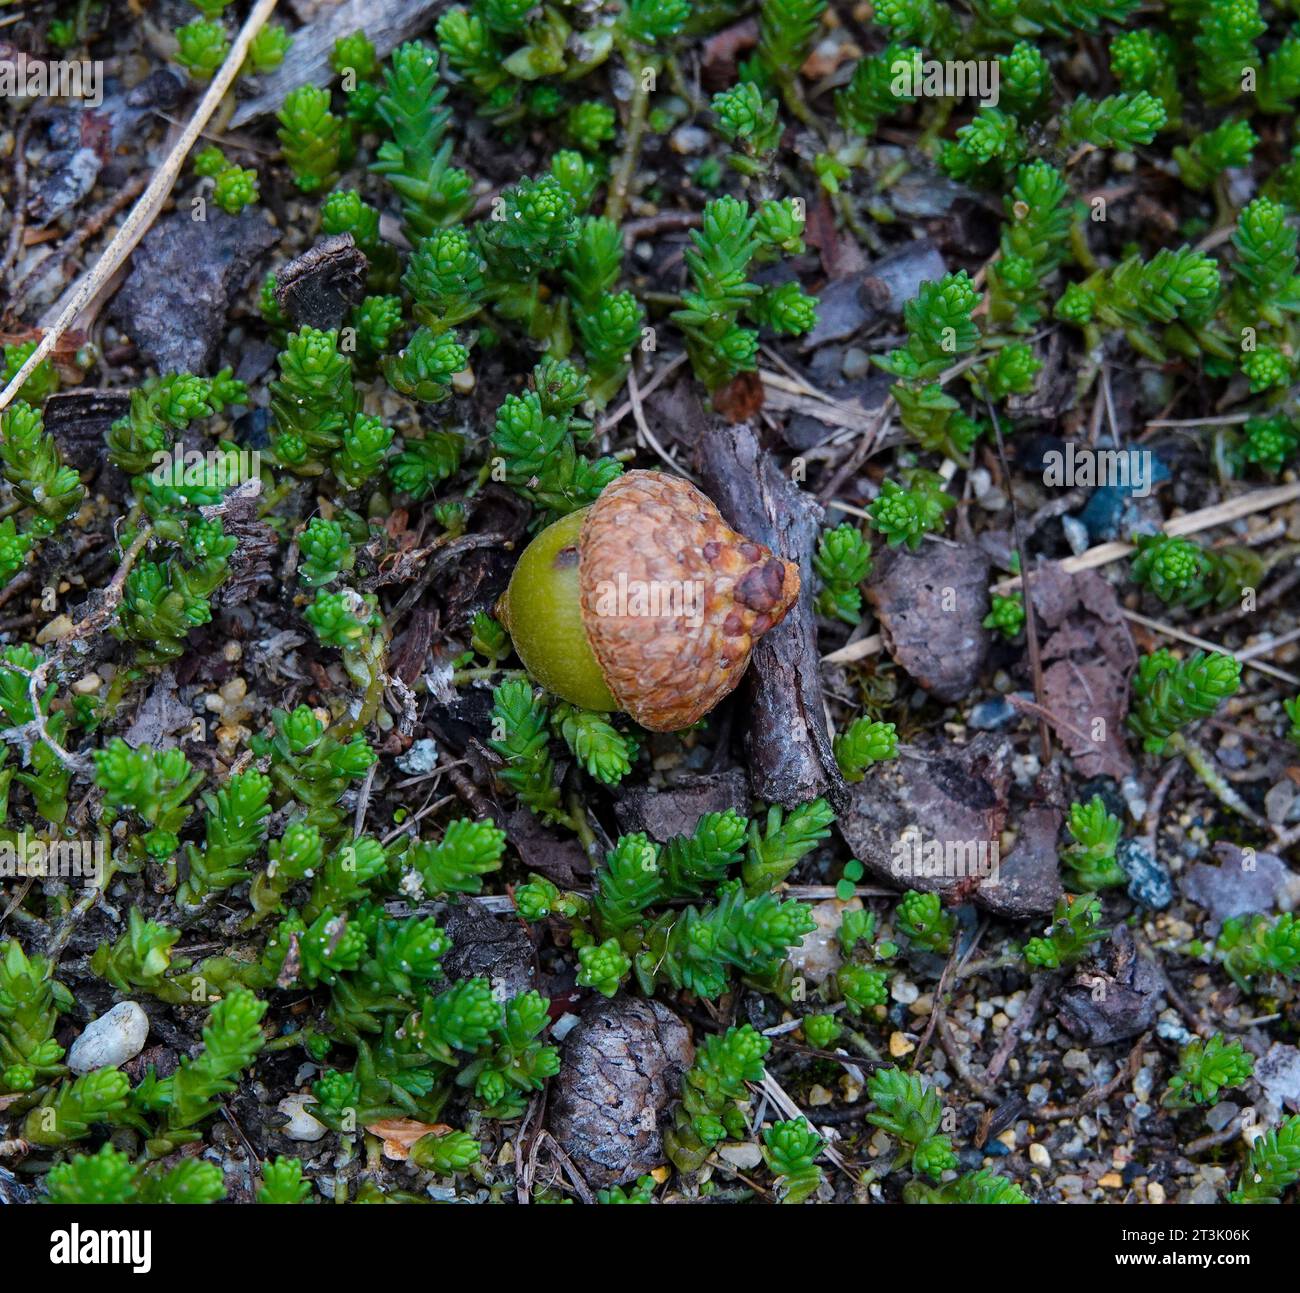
(646,602)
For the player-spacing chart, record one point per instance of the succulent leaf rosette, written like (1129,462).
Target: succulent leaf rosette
(646,602)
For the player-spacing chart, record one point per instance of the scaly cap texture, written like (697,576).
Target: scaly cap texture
(648,531)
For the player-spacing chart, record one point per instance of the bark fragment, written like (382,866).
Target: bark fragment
(949,801)
(788,745)
(184,277)
(320,287)
(675,810)
(491,947)
(931,605)
(1114,997)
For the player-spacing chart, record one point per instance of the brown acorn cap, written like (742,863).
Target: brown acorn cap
(673,599)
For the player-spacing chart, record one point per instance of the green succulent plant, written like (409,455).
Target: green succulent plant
(282,1182)
(730,239)
(790,1150)
(908,515)
(31,1000)
(109,1176)
(1074,929)
(1170,693)
(312,137)
(1204,1069)
(1006,614)
(911,1112)
(1273,1166)
(842,561)
(863,743)
(921,917)
(1183,573)
(1089,861)
(1253,946)
(715,1096)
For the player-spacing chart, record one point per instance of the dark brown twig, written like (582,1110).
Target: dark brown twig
(1064,1112)
(1018,1027)
(1031,619)
(1214,1138)
(964,1070)
(940,993)
(17,205)
(575,1176)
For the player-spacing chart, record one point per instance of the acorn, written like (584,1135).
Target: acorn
(646,602)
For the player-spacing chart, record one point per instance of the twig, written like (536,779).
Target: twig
(820,892)
(17,900)
(1222,419)
(470,793)
(643,428)
(150,203)
(846,420)
(429,808)
(1214,1138)
(1215,782)
(1260,500)
(1064,1112)
(81,632)
(783,1101)
(1043,714)
(1274,592)
(964,1070)
(67,927)
(1018,1026)
(609,422)
(524,1171)
(940,1001)
(660,222)
(581,1186)
(1031,618)
(363,801)
(1246,654)
(18,207)
(440,552)
(638,110)
(938,1005)
(1234,509)
(870,438)
(1156,626)
(1155,805)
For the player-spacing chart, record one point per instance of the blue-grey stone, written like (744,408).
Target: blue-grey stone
(1076,534)
(990,715)
(1109,512)
(1149,880)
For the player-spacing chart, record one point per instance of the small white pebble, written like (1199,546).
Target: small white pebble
(1039,1156)
(904,990)
(746,1155)
(301,1124)
(112,1039)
